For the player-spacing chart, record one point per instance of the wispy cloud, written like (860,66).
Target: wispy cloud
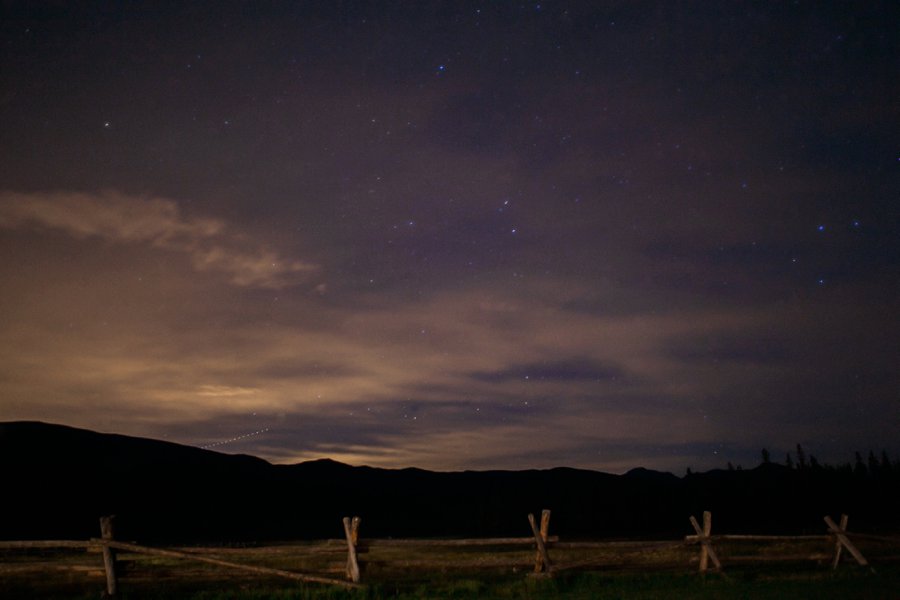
(558,370)
(122,218)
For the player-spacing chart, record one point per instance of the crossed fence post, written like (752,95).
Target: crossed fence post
(351,532)
(542,562)
(707,552)
(842,541)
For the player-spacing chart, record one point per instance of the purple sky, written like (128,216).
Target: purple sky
(455,235)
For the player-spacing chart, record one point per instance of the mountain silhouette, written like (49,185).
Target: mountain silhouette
(59,480)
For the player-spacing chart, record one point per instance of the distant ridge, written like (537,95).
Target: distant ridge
(650,475)
(61,479)
(62,443)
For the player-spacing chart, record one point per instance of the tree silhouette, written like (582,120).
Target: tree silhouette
(801,457)
(874,467)
(886,466)
(859,467)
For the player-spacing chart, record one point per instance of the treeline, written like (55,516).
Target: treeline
(874,466)
(792,495)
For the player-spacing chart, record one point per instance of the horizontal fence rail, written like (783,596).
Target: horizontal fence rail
(225,563)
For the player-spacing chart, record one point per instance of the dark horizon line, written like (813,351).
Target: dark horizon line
(804,462)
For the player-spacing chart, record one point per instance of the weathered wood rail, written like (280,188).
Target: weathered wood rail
(225,563)
(544,545)
(837,533)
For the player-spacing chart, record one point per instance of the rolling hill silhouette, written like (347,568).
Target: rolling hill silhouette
(58,480)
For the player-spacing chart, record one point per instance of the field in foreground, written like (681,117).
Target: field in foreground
(404,572)
(744,584)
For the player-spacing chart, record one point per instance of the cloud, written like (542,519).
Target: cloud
(126,219)
(611,438)
(748,348)
(224,391)
(561,370)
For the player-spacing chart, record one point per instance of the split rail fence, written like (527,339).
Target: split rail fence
(575,555)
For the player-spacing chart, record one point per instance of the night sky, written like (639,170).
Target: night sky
(455,235)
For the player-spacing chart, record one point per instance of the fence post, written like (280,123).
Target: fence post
(545,533)
(351,532)
(706,549)
(542,559)
(109,556)
(842,540)
(838,546)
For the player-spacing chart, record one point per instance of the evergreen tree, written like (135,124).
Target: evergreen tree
(765,457)
(801,457)
(873,464)
(859,467)
(788,461)
(886,466)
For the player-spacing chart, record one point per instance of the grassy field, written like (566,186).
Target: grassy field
(407,570)
(744,584)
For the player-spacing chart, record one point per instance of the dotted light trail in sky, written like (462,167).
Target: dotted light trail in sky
(235,439)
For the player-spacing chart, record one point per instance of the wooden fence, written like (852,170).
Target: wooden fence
(839,534)
(837,538)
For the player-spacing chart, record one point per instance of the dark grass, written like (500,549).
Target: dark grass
(756,583)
